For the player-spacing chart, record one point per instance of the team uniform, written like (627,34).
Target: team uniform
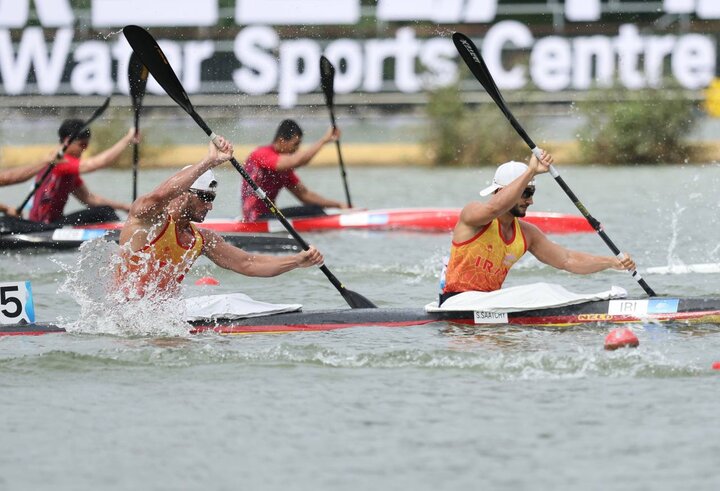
(483,262)
(261,165)
(161,265)
(51,197)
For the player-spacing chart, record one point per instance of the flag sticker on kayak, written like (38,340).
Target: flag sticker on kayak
(16,302)
(364,219)
(483,317)
(77,234)
(641,308)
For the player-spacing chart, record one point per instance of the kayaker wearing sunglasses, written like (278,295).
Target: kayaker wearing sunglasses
(159,242)
(489,239)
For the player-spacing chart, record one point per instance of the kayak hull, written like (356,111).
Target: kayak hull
(431,220)
(626,311)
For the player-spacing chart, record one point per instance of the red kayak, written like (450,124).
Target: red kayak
(411,219)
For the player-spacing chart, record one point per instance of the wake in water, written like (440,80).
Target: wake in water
(104,308)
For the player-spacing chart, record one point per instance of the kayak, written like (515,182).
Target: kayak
(408,219)
(72,238)
(674,310)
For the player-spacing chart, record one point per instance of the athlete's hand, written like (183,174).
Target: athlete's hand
(219,150)
(542,165)
(133,137)
(626,263)
(331,135)
(311,257)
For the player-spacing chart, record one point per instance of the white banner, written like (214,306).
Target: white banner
(297,12)
(154,13)
(50,13)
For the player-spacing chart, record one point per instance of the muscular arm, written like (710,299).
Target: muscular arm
(308,197)
(560,257)
(229,257)
(109,156)
(21,174)
(85,196)
(300,158)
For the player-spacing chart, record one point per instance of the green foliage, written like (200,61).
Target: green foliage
(459,135)
(647,127)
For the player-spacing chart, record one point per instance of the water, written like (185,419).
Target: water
(431,407)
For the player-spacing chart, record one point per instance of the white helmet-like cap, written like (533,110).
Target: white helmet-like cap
(205,182)
(504,175)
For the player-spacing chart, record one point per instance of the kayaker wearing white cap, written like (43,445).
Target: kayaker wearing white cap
(159,243)
(488,238)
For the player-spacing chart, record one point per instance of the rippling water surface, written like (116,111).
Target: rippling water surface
(430,407)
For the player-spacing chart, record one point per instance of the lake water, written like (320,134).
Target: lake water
(424,408)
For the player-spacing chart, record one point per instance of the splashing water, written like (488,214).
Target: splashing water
(103,305)
(672,260)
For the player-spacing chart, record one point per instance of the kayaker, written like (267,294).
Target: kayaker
(272,167)
(51,197)
(159,242)
(489,239)
(16,175)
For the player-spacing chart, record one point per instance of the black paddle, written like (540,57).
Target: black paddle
(473,59)
(154,59)
(327,82)
(137,78)
(61,153)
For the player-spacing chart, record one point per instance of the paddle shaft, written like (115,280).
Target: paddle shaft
(136,155)
(471,55)
(340,160)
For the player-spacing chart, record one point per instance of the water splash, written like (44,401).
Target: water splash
(672,260)
(104,309)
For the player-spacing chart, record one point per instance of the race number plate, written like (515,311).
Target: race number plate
(16,303)
(482,317)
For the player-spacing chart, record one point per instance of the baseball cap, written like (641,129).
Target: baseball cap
(206,182)
(504,175)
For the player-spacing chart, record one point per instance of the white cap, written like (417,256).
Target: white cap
(205,182)
(504,175)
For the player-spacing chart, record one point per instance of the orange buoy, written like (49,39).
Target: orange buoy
(621,338)
(207,281)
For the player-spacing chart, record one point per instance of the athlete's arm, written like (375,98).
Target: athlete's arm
(560,257)
(109,156)
(308,197)
(149,206)
(21,174)
(84,195)
(230,257)
(300,158)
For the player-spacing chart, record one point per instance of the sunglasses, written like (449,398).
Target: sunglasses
(206,196)
(528,193)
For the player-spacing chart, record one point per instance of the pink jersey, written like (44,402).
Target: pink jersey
(52,195)
(262,167)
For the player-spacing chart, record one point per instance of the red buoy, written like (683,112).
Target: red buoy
(716,365)
(621,338)
(207,281)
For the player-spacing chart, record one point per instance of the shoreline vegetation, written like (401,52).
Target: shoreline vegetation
(652,127)
(355,154)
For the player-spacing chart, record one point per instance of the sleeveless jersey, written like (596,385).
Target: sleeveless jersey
(160,266)
(482,263)
(51,197)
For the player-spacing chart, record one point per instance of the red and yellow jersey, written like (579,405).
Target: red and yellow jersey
(482,263)
(160,266)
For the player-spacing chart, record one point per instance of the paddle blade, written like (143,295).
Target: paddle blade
(157,64)
(474,61)
(327,80)
(137,79)
(356,301)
